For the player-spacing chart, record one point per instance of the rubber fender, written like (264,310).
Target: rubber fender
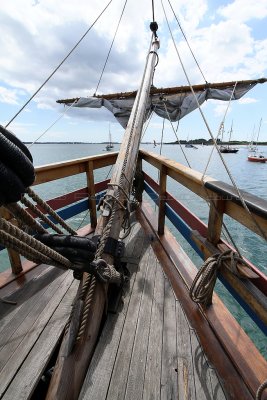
(11,187)
(14,158)
(74,254)
(10,136)
(78,242)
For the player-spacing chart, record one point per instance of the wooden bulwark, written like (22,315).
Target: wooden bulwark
(194,181)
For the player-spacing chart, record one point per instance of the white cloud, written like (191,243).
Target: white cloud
(247,100)
(36,36)
(244,10)
(9,96)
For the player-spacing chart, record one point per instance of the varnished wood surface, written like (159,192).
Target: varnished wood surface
(149,350)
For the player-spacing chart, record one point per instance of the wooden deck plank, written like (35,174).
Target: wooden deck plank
(25,381)
(201,370)
(99,373)
(136,375)
(97,380)
(120,371)
(12,315)
(151,390)
(169,379)
(186,384)
(18,346)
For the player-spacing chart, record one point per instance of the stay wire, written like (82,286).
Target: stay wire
(54,123)
(259,229)
(56,69)
(115,34)
(187,42)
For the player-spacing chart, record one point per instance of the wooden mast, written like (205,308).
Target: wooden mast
(70,369)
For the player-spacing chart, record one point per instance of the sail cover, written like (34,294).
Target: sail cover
(177,105)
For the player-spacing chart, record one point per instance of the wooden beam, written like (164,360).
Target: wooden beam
(217,207)
(173,90)
(91,193)
(14,256)
(51,172)
(162,199)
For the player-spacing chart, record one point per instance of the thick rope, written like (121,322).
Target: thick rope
(40,214)
(203,285)
(24,217)
(260,390)
(21,238)
(50,211)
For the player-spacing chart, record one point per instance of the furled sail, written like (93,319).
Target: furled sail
(165,102)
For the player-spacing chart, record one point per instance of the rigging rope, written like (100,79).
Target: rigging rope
(187,41)
(211,134)
(115,34)
(175,132)
(56,69)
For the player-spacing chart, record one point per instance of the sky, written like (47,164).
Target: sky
(228,39)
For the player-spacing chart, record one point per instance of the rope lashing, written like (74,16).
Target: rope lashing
(203,285)
(261,389)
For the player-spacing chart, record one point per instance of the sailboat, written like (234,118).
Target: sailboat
(66,332)
(228,148)
(255,155)
(110,145)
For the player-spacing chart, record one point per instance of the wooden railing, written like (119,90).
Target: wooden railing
(204,239)
(69,204)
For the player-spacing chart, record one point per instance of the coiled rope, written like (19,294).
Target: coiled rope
(202,287)
(260,390)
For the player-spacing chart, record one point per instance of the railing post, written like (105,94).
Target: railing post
(91,193)
(139,180)
(14,257)
(162,197)
(217,207)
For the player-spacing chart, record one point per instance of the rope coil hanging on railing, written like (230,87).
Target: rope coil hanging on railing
(202,287)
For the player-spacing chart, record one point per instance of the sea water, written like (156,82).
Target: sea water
(248,176)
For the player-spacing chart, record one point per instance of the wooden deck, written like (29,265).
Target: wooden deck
(148,350)
(30,330)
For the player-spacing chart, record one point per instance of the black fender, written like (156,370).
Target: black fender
(11,187)
(14,159)
(10,136)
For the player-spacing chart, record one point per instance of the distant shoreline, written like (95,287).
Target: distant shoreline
(195,142)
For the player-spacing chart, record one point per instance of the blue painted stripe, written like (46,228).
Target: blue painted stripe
(244,305)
